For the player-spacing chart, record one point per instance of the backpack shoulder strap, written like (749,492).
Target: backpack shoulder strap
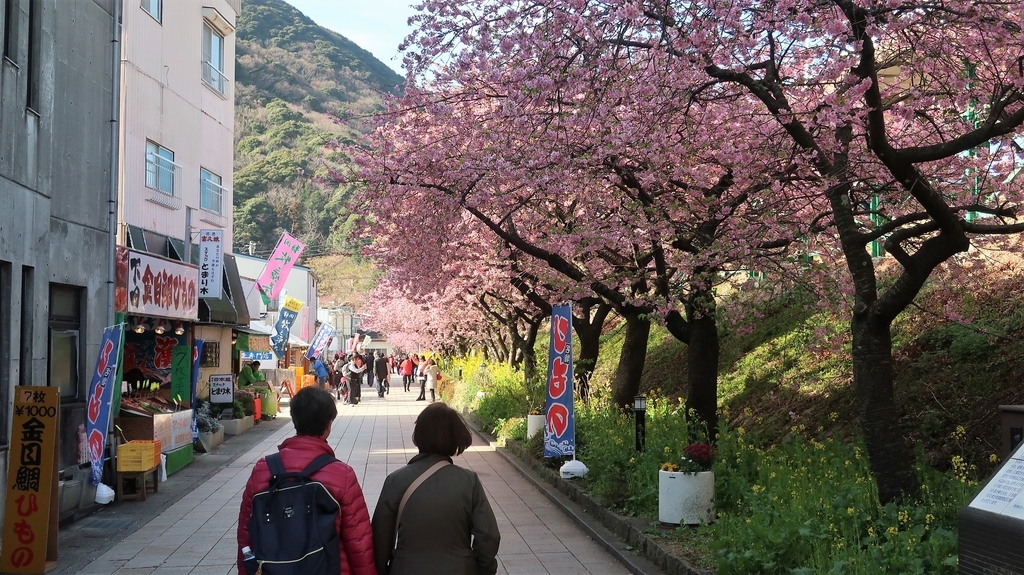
(317,464)
(275,464)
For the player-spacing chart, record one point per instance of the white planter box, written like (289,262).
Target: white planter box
(534,425)
(686,498)
(237,426)
(210,441)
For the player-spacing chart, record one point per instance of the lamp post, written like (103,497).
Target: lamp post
(640,417)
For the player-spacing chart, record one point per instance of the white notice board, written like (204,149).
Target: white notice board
(222,388)
(1004,493)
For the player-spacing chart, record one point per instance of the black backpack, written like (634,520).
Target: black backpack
(292,526)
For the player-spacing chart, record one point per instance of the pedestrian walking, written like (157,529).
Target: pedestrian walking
(380,368)
(405,369)
(421,376)
(322,375)
(354,369)
(433,517)
(433,372)
(312,411)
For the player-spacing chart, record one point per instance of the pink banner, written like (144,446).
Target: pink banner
(280,264)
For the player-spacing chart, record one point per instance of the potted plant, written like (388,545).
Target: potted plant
(534,422)
(243,408)
(686,488)
(211,432)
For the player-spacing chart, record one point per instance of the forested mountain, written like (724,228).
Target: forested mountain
(298,87)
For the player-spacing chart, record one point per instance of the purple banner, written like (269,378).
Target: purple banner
(101,391)
(320,341)
(559,422)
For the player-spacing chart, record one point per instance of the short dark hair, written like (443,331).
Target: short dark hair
(312,410)
(255,365)
(439,429)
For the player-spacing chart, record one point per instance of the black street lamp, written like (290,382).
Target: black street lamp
(640,416)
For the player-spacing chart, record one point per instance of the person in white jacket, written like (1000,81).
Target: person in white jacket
(432,372)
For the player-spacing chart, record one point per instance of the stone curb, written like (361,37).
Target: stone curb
(606,527)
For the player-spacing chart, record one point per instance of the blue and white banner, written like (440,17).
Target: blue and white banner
(320,341)
(101,392)
(559,421)
(285,318)
(259,356)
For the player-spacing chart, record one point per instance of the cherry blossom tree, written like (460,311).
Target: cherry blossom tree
(904,112)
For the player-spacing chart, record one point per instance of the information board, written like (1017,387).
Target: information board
(1004,493)
(222,388)
(30,517)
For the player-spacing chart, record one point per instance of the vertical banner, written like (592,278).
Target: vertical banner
(197,352)
(559,421)
(285,319)
(211,263)
(320,340)
(31,509)
(271,281)
(181,372)
(101,392)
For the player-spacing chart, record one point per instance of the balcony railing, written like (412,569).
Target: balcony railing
(211,195)
(162,175)
(216,79)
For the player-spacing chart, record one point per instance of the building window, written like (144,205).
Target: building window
(65,325)
(160,168)
(211,354)
(210,191)
(213,60)
(10,30)
(155,8)
(35,37)
(6,386)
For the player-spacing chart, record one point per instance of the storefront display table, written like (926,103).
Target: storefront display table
(142,484)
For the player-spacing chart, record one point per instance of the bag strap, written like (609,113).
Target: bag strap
(412,487)
(317,464)
(277,466)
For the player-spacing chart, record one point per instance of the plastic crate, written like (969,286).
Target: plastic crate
(138,455)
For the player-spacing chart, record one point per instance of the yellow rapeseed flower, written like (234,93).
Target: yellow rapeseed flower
(993,458)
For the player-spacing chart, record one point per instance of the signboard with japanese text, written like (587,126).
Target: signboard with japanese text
(320,341)
(285,319)
(222,388)
(211,263)
(559,426)
(155,286)
(181,373)
(101,392)
(259,356)
(271,281)
(1004,492)
(30,516)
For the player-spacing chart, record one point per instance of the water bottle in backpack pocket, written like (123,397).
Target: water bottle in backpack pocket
(292,527)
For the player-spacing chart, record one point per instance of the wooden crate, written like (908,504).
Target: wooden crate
(138,455)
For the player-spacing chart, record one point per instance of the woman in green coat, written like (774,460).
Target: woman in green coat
(445,526)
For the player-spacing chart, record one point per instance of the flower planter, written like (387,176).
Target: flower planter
(237,426)
(686,498)
(534,425)
(209,441)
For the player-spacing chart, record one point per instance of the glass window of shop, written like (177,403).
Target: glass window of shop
(65,324)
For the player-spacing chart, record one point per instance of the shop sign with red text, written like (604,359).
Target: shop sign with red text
(157,287)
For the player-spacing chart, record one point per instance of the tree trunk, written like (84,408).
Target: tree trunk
(631,362)
(702,366)
(890,458)
(588,330)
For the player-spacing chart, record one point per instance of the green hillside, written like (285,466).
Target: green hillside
(299,87)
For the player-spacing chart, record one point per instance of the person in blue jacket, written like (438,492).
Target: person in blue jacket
(322,375)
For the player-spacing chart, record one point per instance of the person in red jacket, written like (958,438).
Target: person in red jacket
(312,411)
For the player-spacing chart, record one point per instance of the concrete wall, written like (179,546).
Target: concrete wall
(55,181)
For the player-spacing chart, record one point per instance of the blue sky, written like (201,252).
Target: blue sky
(377,26)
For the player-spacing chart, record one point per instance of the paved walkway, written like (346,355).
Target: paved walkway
(196,534)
